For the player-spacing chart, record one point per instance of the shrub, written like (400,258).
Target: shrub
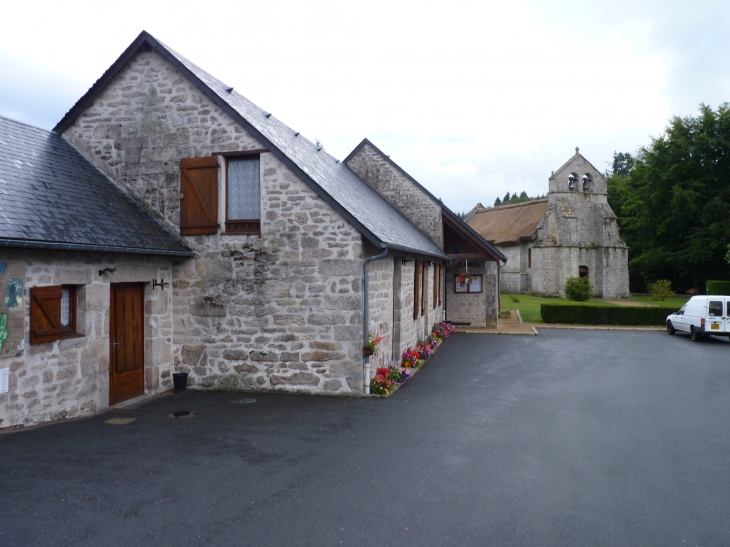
(661,289)
(514,298)
(599,315)
(578,289)
(718,287)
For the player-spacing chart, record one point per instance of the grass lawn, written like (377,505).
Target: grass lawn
(529,306)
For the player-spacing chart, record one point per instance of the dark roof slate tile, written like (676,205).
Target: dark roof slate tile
(53,197)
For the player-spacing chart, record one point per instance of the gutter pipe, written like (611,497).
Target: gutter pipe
(366,315)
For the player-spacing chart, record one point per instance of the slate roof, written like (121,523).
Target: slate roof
(379,221)
(510,224)
(51,197)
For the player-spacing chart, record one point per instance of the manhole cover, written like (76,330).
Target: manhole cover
(182,414)
(244,401)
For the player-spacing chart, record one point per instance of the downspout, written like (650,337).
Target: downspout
(366,315)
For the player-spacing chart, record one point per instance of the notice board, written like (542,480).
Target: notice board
(12,308)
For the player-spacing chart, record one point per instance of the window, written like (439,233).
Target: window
(198,196)
(243,195)
(441,286)
(52,313)
(474,287)
(715,308)
(416,288)
(529,258)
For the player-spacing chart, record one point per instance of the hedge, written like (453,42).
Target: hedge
(577,314)
(718,287)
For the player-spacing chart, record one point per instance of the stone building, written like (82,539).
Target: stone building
(571,233)
(167,224)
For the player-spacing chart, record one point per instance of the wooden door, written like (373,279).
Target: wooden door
(126,342)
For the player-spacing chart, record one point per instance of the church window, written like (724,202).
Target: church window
(529,258)
(583,271)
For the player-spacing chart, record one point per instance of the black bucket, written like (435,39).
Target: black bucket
(179,381)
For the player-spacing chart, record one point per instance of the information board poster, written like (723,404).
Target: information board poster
(12,308)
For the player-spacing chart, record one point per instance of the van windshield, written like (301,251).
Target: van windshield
(715,308)
(680,311)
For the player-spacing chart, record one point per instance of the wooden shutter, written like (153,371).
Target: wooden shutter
(416,286)
(435,285)
(199,196)
(45,314)
(441,286)
(424,285)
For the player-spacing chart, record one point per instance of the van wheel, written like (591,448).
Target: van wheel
(694,335)
(670,328)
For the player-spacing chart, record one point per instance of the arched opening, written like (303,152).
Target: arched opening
(587,182)
(583,271)
(572,180)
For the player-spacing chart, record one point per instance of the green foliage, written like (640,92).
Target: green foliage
(673,202)
(578,289)
(514,298)
(718,287)
(514,198)
(582,314)
(661,289)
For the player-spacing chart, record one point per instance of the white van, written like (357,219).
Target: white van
(702,316)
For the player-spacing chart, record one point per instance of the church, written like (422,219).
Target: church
(571,233)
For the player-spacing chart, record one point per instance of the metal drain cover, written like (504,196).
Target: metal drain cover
(245,401)
(181,414)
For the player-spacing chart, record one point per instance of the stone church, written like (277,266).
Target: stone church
(571,233)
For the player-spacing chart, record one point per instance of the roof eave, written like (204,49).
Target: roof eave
(63,246)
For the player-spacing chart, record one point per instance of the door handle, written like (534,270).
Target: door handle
(115,345)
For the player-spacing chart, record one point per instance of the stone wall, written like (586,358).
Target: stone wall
(70,378)
(478,309)
(280,310)
(381,309)
(398,189)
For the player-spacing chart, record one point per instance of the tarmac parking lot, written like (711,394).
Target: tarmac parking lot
(569,438)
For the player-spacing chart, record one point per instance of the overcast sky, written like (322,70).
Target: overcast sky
(473,98)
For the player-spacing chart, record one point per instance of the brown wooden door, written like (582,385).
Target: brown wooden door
(126,342)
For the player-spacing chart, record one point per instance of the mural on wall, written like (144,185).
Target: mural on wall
(12,311)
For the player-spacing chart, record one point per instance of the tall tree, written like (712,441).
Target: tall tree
(673,203)
(497,202)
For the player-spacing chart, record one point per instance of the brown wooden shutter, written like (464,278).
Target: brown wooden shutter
(416,286)
(199,196)
(424,285)
(441,286)
(45,314)
(435,285)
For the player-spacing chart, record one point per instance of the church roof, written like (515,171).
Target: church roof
(509,224)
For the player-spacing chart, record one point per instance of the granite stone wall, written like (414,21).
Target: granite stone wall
(281,310)
(478,309)
(399,190)
(70,378)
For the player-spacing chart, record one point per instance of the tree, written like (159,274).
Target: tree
(506,198)
(523,195)
(673,202)
(497,202)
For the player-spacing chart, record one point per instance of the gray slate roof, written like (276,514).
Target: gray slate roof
(51,197)
(368,211)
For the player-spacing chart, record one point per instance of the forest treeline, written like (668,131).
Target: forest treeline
(672,200)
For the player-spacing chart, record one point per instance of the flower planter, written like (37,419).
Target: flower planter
(367,351)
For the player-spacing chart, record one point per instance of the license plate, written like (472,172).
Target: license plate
(715,326)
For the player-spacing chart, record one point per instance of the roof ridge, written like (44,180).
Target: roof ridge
(511,205)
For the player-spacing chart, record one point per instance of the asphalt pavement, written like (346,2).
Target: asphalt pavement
(570,438)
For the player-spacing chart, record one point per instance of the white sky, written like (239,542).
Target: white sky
(473,98)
